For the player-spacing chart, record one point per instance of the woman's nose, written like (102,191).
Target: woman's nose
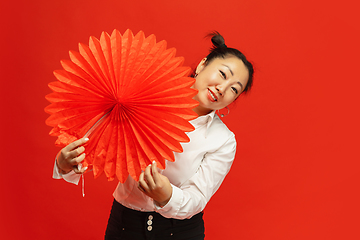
(219,89)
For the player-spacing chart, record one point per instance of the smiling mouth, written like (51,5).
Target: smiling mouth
(212,96)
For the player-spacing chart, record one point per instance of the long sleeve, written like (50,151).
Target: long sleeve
(70,177)
(192,196)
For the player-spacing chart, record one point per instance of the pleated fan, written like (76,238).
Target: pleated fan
(130,95)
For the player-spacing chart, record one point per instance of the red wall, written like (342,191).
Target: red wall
(296,173)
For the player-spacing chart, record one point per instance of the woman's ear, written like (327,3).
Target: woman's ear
(201,66)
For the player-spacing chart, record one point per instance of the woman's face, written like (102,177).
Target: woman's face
(219,83)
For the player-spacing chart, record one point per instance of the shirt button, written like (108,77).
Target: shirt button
(149,222)
(149,228)
(151,217)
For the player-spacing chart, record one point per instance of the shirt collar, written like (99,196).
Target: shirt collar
(203,120)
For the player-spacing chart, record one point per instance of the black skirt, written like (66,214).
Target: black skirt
(128,224)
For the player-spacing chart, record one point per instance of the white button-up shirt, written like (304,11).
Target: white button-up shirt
(195,176)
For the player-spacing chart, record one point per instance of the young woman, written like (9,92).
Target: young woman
(168,204)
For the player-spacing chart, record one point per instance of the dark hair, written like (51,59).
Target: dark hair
(220,50)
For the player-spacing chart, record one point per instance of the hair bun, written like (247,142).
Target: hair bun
(217,40)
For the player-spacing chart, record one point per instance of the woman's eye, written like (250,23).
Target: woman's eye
(222,74)
(235,90)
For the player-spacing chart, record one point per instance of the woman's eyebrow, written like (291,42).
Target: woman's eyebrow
(229,69)
(242,87)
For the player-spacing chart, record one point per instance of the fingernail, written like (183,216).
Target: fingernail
(86,139)
(85,168)
(153,162)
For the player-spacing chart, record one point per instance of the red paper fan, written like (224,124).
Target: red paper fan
(130,96)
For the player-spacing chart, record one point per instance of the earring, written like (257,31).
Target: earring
(195,75)
(224,115)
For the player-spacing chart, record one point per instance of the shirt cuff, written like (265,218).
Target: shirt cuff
(171,209)
(70,177)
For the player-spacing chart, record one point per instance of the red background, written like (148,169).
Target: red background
(296,173)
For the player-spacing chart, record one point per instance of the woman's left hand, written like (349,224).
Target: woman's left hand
(155,185)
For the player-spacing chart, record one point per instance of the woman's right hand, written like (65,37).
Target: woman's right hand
(70,156)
